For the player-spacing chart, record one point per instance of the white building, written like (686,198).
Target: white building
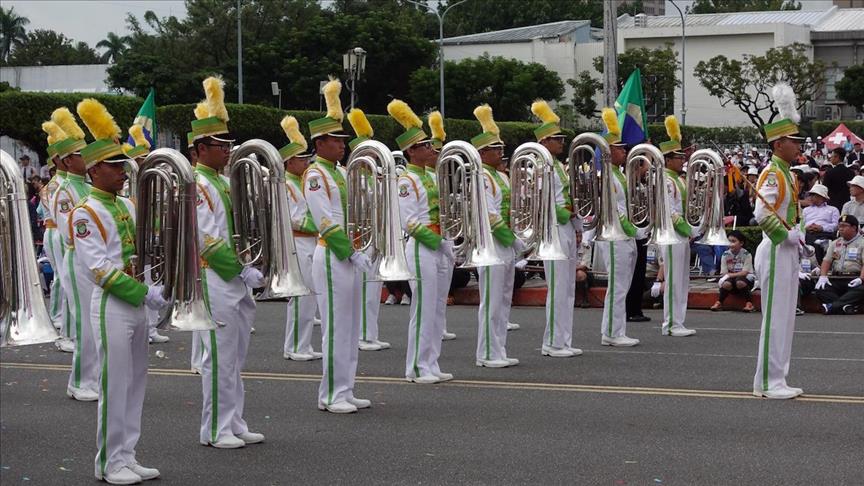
(84,78)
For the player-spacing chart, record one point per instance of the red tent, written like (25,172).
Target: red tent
(839,136)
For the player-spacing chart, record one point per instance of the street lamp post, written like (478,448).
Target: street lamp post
(354,64)
(440,17)
(683,72)
(239,55)
(274,87)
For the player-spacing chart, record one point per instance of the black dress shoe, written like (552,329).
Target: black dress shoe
(638,319)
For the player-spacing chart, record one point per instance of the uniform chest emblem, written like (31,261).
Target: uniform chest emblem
(403,191)
(314,185)
(65,206)
(81,229)
(771,180)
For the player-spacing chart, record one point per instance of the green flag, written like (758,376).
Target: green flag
(147,119)
(630,106)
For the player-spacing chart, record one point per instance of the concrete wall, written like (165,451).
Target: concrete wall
(844,53)
(88,78)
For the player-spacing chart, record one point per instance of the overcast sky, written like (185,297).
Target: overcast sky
(90,20)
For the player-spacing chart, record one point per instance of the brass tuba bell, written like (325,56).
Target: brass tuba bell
(532,201)
(646,195)
(705,192)
(594,194)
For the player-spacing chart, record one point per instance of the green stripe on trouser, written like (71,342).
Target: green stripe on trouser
(767,326)
(486,313)
(103,398)
(670,288)
(214,368)
(551,305)
(611,288)
(296,333)
(329,326)
(418,298)
(73,279)
(363,304)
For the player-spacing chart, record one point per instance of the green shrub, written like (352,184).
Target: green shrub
(706,136)
(824,127)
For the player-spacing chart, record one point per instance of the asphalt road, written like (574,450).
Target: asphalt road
(672,411)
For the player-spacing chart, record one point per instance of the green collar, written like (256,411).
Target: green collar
(323,161)
(293,177)
(61,173)
(416,169)
(206,169)
(103,196)
(782,163)
(74,177)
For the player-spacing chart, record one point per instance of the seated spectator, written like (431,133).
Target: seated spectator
(807,269)
(839,286)
(583,270)
(709,256)
(736,268)
(855,205)
(821,219)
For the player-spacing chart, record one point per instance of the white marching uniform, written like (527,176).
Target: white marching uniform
(104,240)
(776,266)
(53,247)
(561,275)
(336,280)
(301,310)
(85,362)
(676,258)
(620,260)
(419,212)
(445,275)
(230,302)
(370,304)
(496,282)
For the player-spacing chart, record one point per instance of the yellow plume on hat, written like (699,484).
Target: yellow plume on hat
(673,129)
(483,113)
(436,125)
(127,147)
(100,123)
(66,121)
(137,133)
(542,111)
(292,131)
(403,114)
(610,119)
(214,90)
(201,110)
(55,133)
(331,97)
(360,123)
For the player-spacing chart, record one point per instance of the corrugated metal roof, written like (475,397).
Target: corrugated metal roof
(519,34)
(794,17)
(844,19)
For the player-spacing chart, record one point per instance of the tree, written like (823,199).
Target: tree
(49,48)
(114,46)
(851,88)
(724,6)
(747,83)
(584,89)
(509,86)
(659,68)
(11,31)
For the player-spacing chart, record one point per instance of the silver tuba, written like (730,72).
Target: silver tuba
(373,209)
(24,318)
(705,192)
(262,222)
(167,239)
(462,202)
(532,201)
(593,193)
(646,196)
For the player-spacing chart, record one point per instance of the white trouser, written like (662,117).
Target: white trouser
(121,336)
(224,354)
(54,252)
(676,259)
(496,296)
(424,329)
(152,315)
(561,285)
(370,304)
(445,276)
(85,361)
(620,260)
(339,289)
(301,310)
(777,269)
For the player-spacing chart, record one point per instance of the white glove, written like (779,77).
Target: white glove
(361,261)
(855,283)
(519,247)
(642,233)
(722,280)
(794,236)
(520,265)
(154,299)
(447,249)
(803,276)
(252,277)
(822,282)
(655,290)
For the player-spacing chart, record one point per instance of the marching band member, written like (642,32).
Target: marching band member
(103,228)
(301,310)
(51,239)
(370,298)
(83,379)
(618,256)
(776,259)
(677,256)
(419,212)
(137,153)
(560,276)
(496,282)
(337,268)
(436,126)
(227,283)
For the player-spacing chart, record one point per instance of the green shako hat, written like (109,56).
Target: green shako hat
(787,105)
(613,131)
(413,125)
(673,129)
(362,127)
(74,140)
(211,116)
(436,126)
(297,145)
(106,147)
(142,145)
(551,122)
(331,123)
(490,137)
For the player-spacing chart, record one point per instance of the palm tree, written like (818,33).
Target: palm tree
(114,46)
(11,31)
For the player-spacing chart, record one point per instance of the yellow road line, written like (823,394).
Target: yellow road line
(505,385)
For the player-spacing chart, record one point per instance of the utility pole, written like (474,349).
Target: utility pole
(683,71)
(610,54)
(239,55)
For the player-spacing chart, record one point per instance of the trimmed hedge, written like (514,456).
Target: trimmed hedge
(705,136)
(824,127)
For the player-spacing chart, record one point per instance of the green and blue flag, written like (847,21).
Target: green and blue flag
(147,119)
(630,106)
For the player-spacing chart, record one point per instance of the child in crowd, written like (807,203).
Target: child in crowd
(736,270)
